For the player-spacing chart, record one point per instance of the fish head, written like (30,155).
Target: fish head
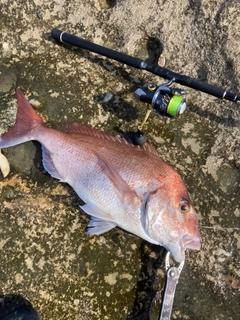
(170,219)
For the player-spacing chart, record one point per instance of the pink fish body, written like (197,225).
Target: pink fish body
(120,184)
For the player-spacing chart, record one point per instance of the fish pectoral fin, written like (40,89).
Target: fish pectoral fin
(99,222)
(48,164)
(115,177)
(99,226)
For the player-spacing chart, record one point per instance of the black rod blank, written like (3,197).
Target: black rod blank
(140,64)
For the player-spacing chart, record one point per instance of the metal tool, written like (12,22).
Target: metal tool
(173,275)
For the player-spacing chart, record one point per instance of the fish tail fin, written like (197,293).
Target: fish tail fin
(27,120)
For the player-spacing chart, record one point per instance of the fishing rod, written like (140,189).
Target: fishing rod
(140,64)
(162,99)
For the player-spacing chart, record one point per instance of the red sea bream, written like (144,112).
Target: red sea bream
(120,184)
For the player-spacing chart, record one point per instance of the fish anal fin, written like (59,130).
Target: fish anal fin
(49,165)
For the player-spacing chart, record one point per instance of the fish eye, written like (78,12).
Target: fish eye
(184,206)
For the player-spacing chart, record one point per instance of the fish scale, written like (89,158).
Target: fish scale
(81,178)
(121,185)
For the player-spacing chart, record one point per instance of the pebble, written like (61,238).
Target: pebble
(4,165)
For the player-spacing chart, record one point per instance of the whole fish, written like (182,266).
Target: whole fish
(120,184)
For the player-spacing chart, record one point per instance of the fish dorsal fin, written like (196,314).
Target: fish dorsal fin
(149,148)
(78,128)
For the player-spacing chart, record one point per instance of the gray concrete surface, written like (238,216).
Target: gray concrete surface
(45,254)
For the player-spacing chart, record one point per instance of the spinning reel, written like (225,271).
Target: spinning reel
(161,99)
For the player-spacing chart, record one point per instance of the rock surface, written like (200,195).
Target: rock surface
(45,254)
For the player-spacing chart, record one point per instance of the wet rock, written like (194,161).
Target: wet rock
(45,252)
(229,178)
(8,79)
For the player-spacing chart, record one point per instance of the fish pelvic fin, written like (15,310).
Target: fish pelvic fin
(26,120)
(98,226)
(99,222)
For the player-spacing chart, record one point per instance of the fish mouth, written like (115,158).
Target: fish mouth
(190,242)
(178,249)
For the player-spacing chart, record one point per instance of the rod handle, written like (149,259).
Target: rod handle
(85,44)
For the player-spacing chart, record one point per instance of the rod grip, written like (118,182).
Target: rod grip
(85,44)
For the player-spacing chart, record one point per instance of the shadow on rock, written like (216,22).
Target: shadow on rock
(226,121)
(15,307)
(152,258)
